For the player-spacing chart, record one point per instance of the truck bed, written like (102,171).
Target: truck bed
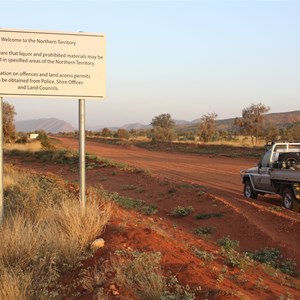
(285,175)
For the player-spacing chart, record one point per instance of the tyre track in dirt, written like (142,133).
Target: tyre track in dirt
(220,177)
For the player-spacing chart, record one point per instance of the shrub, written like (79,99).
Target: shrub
(273,257)
(288,267)
(233,258)
(269,256)
(205,255)
(181,211)
(45,141)
(228,244)
(204,230)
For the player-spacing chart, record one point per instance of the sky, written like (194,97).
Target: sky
(185,58)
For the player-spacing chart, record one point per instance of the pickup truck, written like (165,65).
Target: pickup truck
(278,172)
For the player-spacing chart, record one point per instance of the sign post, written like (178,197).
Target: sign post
(1,162)
(52,65)
(82,196)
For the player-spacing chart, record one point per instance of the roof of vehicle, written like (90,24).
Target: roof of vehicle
(283,146)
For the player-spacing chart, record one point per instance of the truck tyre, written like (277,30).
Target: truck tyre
(288,198)
(248,190)
(290,159)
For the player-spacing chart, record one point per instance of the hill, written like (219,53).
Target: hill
(49,125)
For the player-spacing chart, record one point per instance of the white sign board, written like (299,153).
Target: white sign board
(52,64)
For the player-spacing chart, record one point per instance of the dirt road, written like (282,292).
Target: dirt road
(220,176)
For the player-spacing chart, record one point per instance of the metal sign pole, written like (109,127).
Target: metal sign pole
(1,162)
(82,153)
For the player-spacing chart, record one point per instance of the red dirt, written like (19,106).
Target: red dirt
(217,188)
(253,223)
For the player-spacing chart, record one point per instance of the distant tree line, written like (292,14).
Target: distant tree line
(252,124)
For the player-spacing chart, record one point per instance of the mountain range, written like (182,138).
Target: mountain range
(49,125)
(55,125)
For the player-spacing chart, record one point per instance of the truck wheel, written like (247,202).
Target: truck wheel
(248,190)
(290,159)
(288,198)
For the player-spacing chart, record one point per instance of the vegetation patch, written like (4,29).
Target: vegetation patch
(131,203)
(181,211)
(44,233)
(209,215)
(228,244)
(274,258)
(208,149)
(129,187)
(71,157)
(142,273)
(205,255)
(275,208)
(204,230)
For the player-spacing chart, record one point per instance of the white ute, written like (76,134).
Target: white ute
(278,172)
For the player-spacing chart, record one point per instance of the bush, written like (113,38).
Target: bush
(228,244)
(269,256)
(205,255)
(22,138)
(204,230)
(45,141)
(233,258)
(181,211)
(273,257)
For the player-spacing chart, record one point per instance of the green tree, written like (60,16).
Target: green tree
(163,128)
(223,134)
(133,133)
(251,123)
(122,133)
(271,133)
(9,128)
(207,126)
(22,138)
(106,132)
(44,139)
(292,132)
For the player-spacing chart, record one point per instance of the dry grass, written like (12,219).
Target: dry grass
(43,233)
(9,176)
(239,141)
(33,146)
(20,241)
(14,286)
(72,230)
